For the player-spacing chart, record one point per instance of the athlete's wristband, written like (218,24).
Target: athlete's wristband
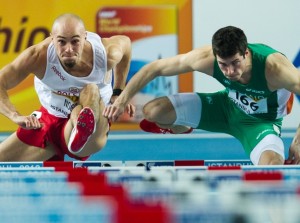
(117,92)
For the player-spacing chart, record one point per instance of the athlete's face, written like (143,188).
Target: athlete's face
(69,41)
(233,67)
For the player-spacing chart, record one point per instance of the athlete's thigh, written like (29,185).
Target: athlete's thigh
(13,149)
(255,136)
(215,112)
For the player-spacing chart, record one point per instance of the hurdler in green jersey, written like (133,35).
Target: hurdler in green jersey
(251,112)
(255,98)
(259,86)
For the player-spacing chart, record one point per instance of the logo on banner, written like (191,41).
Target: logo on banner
(14,39)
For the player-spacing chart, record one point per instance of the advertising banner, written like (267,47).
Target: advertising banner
(154,35)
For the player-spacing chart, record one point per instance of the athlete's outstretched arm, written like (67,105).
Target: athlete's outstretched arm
(281,73)
(13,74)
(196,60)
(118,49)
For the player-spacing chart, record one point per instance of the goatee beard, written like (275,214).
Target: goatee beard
(70,64)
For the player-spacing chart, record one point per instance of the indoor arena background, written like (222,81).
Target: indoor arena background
(29,193)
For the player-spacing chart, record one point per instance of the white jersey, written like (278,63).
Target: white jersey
(58,91)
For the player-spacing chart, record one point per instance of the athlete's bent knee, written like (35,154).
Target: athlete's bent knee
(269,157)
(90,87)
(153,110)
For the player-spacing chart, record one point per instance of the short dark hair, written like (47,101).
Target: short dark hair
(228,41)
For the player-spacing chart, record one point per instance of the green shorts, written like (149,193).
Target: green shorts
(220,114)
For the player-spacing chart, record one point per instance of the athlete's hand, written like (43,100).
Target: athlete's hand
(27,122)
(294,150)
(114,111)
(130,110)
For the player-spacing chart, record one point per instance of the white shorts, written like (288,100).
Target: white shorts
(188,109)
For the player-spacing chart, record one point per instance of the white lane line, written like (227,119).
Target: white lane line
(179,136)
(165,136)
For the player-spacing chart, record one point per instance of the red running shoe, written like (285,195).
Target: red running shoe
(84,128)
(152,127)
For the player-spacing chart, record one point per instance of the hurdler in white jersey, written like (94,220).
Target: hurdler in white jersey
(73,80)
(58,91)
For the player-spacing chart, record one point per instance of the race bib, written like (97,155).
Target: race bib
(248,104)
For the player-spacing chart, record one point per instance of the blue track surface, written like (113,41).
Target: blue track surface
(199,145)
(202,145)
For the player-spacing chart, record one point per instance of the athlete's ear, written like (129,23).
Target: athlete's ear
(246,53)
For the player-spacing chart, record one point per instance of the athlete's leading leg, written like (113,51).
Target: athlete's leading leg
(86,132)
(177,112)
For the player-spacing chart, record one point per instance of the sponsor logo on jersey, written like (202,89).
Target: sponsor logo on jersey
(255,91)
(58,73)
(226,81)
(72,96)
